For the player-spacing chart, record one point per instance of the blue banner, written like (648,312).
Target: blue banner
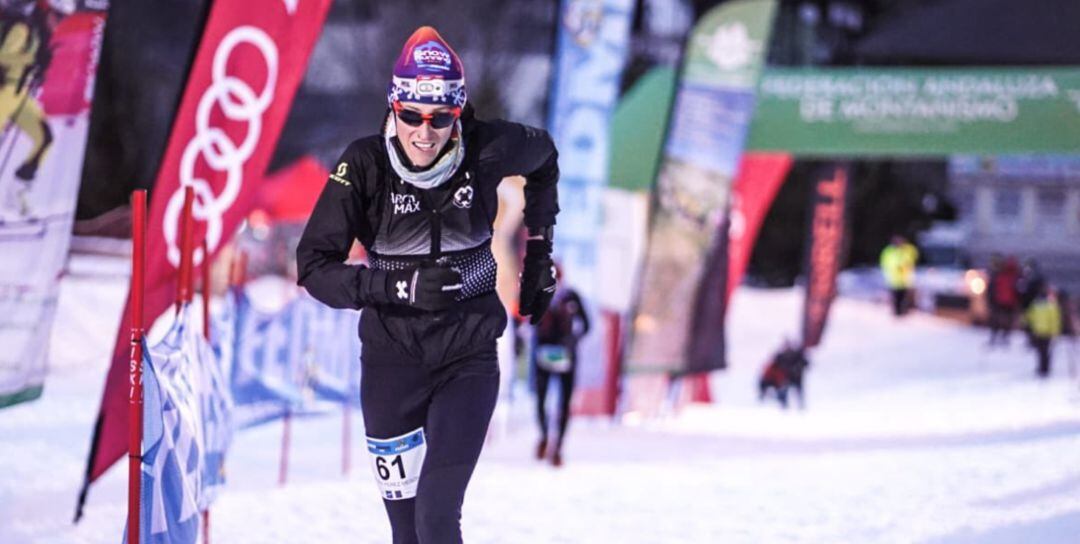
(591,53)
(285,360)
(187,429)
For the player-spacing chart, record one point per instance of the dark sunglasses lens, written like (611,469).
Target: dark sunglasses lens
(410,117)
(442,120)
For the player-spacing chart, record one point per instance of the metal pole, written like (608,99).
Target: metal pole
(135,391)
(346,439)
(346,423)
(283,470)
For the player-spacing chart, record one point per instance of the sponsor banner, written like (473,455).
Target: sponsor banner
(49,59)
(592,48)
(283,361)
(249,65)
(591,53)
(187,428)
(679,311)
(828,233)
(752,194)
(927,111)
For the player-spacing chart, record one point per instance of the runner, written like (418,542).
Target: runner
(421,198)
(555,355)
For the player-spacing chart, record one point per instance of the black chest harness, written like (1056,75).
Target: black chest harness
(449,225)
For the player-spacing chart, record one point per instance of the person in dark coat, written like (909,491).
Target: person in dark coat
(420,196)
(1031,286)
(785,372)
(1069,329)
(1004,299)
(555,356)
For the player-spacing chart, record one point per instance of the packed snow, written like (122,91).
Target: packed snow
(914,431)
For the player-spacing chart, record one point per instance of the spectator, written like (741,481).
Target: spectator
(1068,330)
(785,372)
(898,266)
(1043,319)
(1004,299)
(1031,283)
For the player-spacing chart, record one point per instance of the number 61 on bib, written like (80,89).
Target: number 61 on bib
(396,463)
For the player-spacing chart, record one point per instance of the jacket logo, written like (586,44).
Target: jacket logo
(401,285)
(463,197)
(339,175)
(404,203)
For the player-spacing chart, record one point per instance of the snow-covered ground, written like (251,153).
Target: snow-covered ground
(914,432)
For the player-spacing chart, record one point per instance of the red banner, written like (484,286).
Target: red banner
(828,230)
(249,65)
(760,177)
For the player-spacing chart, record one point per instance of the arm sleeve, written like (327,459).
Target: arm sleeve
(531,153)
(328,236)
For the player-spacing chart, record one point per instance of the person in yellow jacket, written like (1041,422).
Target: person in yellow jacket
(898,266)
(1043,317)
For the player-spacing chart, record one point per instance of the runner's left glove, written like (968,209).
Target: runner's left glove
(537,280)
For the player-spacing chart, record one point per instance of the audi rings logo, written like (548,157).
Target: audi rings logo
(240,104)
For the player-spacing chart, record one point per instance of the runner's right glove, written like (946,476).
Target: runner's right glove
(430,288)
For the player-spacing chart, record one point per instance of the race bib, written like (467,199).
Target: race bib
(397,462)
(553,358)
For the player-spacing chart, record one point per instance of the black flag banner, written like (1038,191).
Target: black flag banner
(828,237)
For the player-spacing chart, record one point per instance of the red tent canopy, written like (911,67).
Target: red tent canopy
(289,194)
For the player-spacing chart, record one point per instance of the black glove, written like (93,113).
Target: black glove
(537,280)
(430,288)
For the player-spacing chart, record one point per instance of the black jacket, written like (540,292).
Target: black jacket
(401,225)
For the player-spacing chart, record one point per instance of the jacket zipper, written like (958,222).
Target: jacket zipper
(436,235)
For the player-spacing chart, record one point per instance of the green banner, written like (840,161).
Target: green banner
(917,112)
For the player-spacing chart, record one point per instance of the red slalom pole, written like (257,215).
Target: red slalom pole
(184,279)
(243,268)
(189,250)
(206,290)
(614,355)
(135,391)
(206,334)
(234,270)
(238,269)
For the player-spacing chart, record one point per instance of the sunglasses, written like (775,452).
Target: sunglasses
(414,118)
